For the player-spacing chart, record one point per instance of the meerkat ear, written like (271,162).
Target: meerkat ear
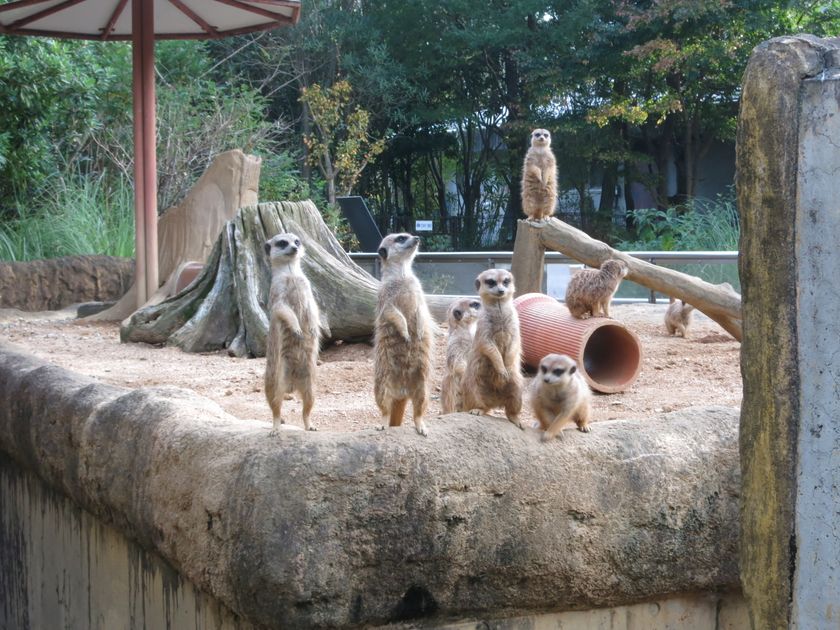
(572,369)
(383,253)
(267,248)
(477,284)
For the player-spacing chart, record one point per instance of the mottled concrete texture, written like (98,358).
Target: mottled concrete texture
(788,166)
(322,530)
(54,283)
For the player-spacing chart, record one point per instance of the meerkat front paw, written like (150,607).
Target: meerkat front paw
(421,429)
(585,429)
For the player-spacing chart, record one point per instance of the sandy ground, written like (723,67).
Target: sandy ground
(676,373)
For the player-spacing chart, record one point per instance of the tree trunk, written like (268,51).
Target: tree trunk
(719,302)
(225,307)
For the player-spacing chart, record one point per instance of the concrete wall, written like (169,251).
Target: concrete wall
(311,530)
(60,567)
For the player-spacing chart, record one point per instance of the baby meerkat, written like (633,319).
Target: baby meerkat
(403,335)
(590,291)
(462,317)
(678,318)
(539,177)
(293,329)
(559,395)
(493,377)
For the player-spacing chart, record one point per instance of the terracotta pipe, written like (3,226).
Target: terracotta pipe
(608,354)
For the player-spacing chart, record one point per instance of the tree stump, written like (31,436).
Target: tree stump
(226,305)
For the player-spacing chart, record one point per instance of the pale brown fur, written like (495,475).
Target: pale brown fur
(678,318)
(590,291)
(462,317)
(560,395)
(539,177)
(493,377)
(403,335)
(293,330)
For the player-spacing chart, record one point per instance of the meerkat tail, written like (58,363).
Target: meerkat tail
(397,412)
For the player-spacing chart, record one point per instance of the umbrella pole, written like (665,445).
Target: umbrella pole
(145,159)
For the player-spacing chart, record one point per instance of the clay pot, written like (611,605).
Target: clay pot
(186,274)
(608,354)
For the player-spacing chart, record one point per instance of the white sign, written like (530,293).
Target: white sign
(422,226)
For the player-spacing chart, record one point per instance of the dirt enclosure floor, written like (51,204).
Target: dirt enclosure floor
(676,373)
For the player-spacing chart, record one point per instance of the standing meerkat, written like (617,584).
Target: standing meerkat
(493,377)
(403,335)
(462,317)
(678,318)
(293,330)
(559,395)
(539,177)
(590,291)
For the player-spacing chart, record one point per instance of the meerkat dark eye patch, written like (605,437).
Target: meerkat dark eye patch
(268,248)
(297,242)
(543,369)
(457,315)
(383,253)
(558,372)
(572,370)
(401,239)
(283,244)
(506,281)
(475,305)
(490,283)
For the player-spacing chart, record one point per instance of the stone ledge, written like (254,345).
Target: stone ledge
(331,529)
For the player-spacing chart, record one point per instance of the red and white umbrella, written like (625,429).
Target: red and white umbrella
(144,22)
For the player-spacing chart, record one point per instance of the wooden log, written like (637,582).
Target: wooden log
(720,302)
(528,261)
(225,307)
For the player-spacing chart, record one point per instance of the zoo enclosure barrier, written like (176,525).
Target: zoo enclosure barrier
(455,272)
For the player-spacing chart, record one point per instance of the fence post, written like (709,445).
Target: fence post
(788,181)
(528,260)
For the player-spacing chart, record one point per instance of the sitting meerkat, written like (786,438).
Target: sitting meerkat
(493,377)
(403,335)
(590,291)
(539,177)
(560,395)
(678,318)
(293,330)
(462,317)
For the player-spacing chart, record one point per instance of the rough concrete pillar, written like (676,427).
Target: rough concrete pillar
(788,180)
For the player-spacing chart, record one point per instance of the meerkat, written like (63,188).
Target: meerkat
(678,318)
(539,177)
(293,330)
(560,395)
(403,335)
(462,317)
(493,377)
(590,291)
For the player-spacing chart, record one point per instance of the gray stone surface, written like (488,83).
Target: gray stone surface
(54,283)
(788,160)
(316,530)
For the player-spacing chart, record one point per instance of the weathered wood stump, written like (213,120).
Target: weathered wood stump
(225,306)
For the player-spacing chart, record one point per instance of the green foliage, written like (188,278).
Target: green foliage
(702,225)
(280,180)
(75,215)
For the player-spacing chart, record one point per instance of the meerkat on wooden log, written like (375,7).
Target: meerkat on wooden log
(539,177)
(462,318)
(678,318)
(293,330)
(493,377)
(590,291)
(560,395)
(403,335)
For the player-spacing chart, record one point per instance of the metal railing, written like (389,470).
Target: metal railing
(428,264)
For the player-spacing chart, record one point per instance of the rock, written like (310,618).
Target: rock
(309,530)
(55,283)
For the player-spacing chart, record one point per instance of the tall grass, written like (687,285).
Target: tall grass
(73,215)
(702,224)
